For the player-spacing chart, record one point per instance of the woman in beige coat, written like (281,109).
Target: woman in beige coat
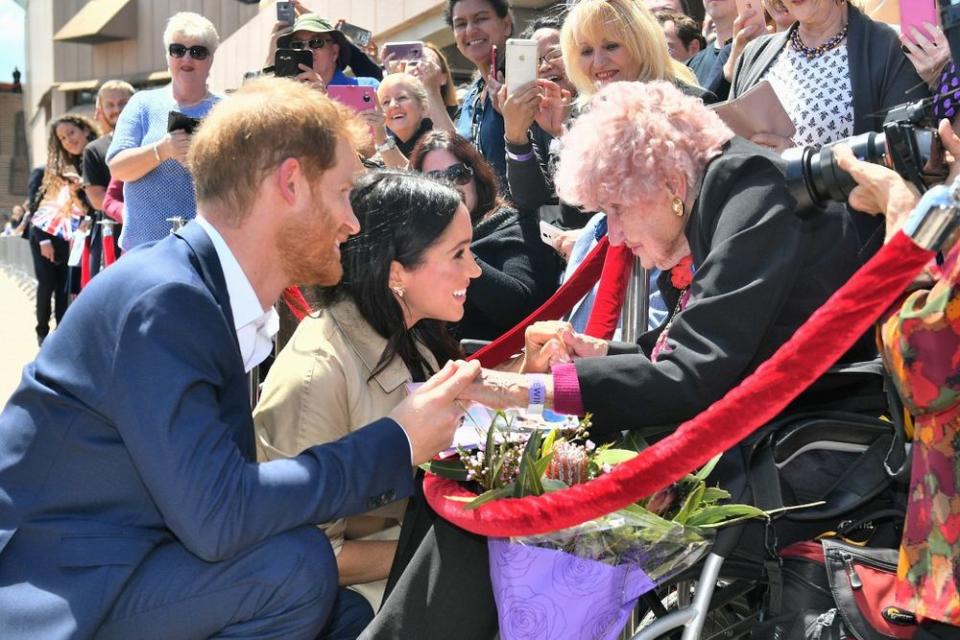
(383,327)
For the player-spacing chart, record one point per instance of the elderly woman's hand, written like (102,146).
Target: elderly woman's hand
(519,109)
(878,190)
(929,52)
(376,120)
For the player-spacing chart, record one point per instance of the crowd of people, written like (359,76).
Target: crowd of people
(138,495)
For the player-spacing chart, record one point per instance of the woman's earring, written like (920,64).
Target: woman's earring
(398,290)
(677,207)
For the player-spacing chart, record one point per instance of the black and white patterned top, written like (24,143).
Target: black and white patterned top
(815,93)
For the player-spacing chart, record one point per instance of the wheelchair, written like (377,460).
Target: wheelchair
(842,445)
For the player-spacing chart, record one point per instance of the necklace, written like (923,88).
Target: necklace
(814,52)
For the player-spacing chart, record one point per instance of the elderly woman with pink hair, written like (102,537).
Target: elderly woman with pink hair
(741,271)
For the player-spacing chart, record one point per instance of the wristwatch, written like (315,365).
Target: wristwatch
(390,143)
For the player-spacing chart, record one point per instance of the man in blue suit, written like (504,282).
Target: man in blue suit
(131,504)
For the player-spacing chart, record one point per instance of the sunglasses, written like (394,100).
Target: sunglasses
(459,174)
(315,43)
(197,51)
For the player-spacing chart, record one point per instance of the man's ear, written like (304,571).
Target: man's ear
(289,180)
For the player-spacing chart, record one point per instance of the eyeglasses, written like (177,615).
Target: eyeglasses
(458,173)
(315,43)
(197,51)
(549,56)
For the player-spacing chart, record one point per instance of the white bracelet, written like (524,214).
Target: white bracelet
(156,153)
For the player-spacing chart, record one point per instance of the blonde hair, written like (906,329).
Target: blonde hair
(191,25)
(262,124)
(449,91)
(412,83)
(114,85)
(627,22)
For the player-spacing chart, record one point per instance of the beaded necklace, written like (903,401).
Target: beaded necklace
(813,52)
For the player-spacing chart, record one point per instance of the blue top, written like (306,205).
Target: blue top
(340,78)
(482,125)
(166,191)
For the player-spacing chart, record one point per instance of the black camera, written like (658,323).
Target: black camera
(909,144)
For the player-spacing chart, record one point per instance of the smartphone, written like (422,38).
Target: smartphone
(745,6)
(913,13)
(286,63)
(358,98)
(285,12)
(408,50)
(548,231)
(177,121)
(359,36)
(521,63)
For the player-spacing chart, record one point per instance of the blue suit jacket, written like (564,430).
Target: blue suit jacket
(132,428)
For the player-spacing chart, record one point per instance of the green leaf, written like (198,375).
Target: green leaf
(715,494)
(719,514)
(450,468)
(613,457)
(707,469)
(691,504)
(552,484)
(543,463)
(633,441)
(491,447)
(488,496)
(528,481)
(547,446)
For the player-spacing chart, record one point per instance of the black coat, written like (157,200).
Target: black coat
(519,272)
(761,272)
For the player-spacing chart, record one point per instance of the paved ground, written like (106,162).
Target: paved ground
(18,343)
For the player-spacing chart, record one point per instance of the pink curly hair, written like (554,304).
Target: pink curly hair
(634,138)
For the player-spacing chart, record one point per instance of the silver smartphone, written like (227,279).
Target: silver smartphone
(521,63)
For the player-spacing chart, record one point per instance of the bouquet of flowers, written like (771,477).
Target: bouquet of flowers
(582,582)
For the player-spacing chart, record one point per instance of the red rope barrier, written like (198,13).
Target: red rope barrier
(813,349)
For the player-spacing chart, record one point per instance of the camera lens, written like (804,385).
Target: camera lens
(814,178)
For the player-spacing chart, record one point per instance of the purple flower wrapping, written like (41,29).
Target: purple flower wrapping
(545,594)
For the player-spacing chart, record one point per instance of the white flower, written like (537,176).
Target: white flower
(590,445)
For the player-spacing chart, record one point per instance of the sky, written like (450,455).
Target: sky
(11,39)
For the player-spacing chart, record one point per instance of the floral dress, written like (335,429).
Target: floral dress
(921,343)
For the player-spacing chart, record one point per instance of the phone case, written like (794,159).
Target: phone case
(411,50)
(913,13)
(286,62)
(521,63)
(358,98)
(285,12)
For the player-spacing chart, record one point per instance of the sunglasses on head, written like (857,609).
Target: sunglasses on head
(315,43)
(458,173)
(197,51)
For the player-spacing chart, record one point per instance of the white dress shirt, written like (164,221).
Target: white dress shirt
(255,326)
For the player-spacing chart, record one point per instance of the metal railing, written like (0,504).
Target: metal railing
(15,254)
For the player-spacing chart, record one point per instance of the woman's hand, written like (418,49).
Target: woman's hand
(519,110)
(878,190)
(174,145)
(429,73)
(563,242)
(308,76)
(553,342)
(773,141)
(376,120)
(742,37)
(555,106)
(494,83)
(498,390)
(46,250)
(929,52)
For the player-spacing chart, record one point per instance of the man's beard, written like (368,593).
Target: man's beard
(306,249)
